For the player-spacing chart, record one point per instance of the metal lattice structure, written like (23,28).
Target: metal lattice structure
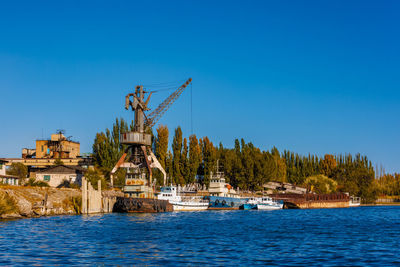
(138,179)
(154,116)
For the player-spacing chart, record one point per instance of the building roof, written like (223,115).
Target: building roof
(9,176)
(63,169)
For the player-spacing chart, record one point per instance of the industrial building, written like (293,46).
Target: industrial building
(58,146)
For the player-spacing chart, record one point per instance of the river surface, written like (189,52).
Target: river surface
(354,236)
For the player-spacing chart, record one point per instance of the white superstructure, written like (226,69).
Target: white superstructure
(181,203)
(219,188)
(354,201)
(267,203)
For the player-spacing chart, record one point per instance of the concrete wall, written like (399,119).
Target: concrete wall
(2,169)
(96,201)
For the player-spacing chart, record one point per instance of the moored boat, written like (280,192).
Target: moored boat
(267,203)
(225,203)
(222,195)
(354,201)
(182,203)
(250,204)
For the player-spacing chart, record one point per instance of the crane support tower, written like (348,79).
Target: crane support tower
(138,159)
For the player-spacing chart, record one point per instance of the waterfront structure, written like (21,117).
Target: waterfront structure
(57,175)
(267,203)
(182,203)
(7,179)
(138,159)
(58,146)
(354,201)
(219,187)
(262,203)
(222,194)
(48,151)
(138,179)
(3,167)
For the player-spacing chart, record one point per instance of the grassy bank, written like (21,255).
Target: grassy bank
(7,204)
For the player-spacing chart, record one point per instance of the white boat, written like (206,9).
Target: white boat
(182,203)
(267,203)
(354,201)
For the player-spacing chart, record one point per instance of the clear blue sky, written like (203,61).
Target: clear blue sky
(308,76)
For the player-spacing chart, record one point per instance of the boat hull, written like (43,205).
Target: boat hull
(269,207)
(189,206)
(247,206)
(141,205)
(225,203)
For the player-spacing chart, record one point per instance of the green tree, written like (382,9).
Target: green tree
(58,162)
(162,144)
(185,168)
(328,165)
(194,158)
(160,151)
(177,152)
(321,184)
(209,155)
(107,149)
(18,169)
(169,166)
(94,175)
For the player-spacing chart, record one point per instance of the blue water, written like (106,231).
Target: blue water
(354,236)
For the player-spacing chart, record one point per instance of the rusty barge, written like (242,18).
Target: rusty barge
(313,201)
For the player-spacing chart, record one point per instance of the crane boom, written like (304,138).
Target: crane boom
(154,116)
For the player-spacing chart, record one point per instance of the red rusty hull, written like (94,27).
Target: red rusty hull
(141,205)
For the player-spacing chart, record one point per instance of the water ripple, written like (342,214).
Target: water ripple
(352,237)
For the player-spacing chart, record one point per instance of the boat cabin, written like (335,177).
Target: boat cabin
(218,186)
(169,193)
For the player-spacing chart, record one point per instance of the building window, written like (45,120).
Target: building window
(42,149)
(46,178)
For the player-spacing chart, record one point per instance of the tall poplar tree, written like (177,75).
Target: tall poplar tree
(177,151)
(194,158)
(185,162)
(209,155)
(107,149)
(161,146)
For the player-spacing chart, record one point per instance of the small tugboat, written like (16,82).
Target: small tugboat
(222,195)
(181,203)
(267,203)
(251,204)
(264,203)
(354,201)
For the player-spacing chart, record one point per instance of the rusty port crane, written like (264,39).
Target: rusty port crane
(138,159)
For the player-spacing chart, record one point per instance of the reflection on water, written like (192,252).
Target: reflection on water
(354,236)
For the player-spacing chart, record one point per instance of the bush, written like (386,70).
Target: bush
(321,184)
(93,175)
(33,182)
(67,184)
(7,204)
(77,203)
